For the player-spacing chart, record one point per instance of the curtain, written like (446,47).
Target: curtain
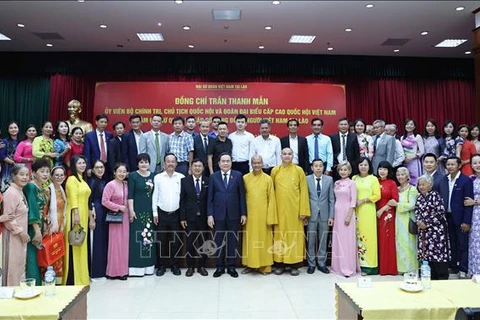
(25,101)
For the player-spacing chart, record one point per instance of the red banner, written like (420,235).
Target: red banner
(277,102)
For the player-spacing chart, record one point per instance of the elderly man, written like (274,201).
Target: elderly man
(384,145)
(291,193)
(391,130)
(262,214)
(266,145)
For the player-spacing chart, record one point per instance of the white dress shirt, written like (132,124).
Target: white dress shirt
(340,154)
(451,185)
(137,138)
(270,150)
(228,175)
(166,193)
(241,142)
(294,146)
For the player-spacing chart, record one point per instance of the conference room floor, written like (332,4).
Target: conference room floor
(248,296)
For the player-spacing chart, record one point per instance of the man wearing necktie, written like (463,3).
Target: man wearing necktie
(322,203)
(96,143)
(345,147)
(200,145)
(226,210)
(193,217)
(320,145)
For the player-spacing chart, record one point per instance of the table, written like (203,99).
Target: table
(69,302)
(385,300)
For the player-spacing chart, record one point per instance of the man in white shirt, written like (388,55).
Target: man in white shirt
(166,216)
(391,130)
(267,146)
(241,141)
(320,145)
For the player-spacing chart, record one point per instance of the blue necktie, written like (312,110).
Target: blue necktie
(225,181)
(316,148)
(197,187)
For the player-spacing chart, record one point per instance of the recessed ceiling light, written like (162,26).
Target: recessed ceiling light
(178,1)
(159,24)
(450,43)
(261,47)
(186,28)
(330,48)
(348,30)
(20,25)
(191,46)
(226,15)
(49,45)
(301,39)
(460,8)
(468,52)
(268,27)
(4,37)
(396,50)
(276,2)
(81,1)
(103,26)
(150,36)
(370,5)
(424,33)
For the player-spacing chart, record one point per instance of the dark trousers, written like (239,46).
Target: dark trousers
(242,166)
(168,238)
(182,167)
(458,246)
(197,234)
(439,270)
(226,229)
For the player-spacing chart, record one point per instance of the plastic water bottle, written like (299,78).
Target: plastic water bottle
(425,273)
(50,279)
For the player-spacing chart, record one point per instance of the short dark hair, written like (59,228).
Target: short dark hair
(100,116)
(117,123)
(157,115)
(118,165)
(190,117)
(457,159)
(216,117)
(178,118)
(195,160)
(40,163)
(264,121)
(223,122)
(224,154)
(316,119)
(240,117)
(134,116)
(292,120)
(318,159)
(75,129)
(144,157)
(429,155)
(370,169)
(343,119)
(170,154)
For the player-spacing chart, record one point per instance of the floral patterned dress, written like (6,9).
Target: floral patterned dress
(474,245)
(142,251)
(433,244)
(365,143)
(413,147)
(8,151)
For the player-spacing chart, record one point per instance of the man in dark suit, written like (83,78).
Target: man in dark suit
(430,167)
(345,147)
(115,146)
(200,145)
(226,210)
(193,216)
(454,188)
(131,141)
(96,146)
(297,143)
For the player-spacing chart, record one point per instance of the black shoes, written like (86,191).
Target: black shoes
(190,272)
(311,270)
(232,272)
(202,271)
(218,272)
(323,269)
(160,271)
(176,271)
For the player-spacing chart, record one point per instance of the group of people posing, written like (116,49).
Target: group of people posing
(388,202)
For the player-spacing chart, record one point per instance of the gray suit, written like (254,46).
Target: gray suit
(147,145)
(321,209)
(384,151)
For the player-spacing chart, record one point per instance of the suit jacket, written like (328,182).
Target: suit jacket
(199,151)
(130,151)
(147,145)
(91,149)
(437,179)
(385,150)
(226,203)
(115,152)
(352,149)
(462,188)
(190,204)
(302,151)
(321,207)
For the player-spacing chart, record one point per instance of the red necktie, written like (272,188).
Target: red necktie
(103,153)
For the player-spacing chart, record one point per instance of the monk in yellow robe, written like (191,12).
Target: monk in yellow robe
(262,214)
(291,192)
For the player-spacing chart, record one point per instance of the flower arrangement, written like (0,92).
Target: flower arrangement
(149,187)
(147,232)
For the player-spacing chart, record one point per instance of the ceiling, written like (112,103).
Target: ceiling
(78,24)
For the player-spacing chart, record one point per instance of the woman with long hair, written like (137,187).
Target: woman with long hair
(43,145)
(468,150)
(474,136)
(7,155)
(474,241)
(77,216)
(76,147)
(432,141)
(413,149)
(61,145)
(450,143)
(365,142)
(23,153)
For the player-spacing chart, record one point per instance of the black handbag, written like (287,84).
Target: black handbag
(116,217)
(412,226)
